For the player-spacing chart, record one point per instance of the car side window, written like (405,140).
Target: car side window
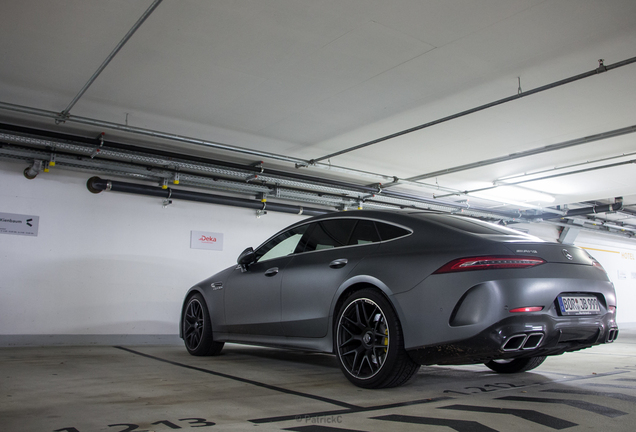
(364,233)
(282,245)
(329,234)
(389,232)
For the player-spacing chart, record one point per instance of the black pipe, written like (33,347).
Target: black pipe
(605,208)
(370,190)
(97,185)
(110,145)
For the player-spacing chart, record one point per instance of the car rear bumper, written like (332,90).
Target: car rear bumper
(522,336)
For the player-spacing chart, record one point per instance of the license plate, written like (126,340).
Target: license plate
(579,305)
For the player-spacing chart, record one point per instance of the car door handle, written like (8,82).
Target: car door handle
(272,272)
(339,263)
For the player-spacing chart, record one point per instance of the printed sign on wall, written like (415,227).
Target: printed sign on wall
(206,240)
(18,224)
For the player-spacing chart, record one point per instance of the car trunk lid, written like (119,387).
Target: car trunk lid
(551,252)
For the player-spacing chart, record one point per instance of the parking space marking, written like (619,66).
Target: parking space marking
(319,428)
(458,425)
(620,396)
(580,378)
(244,380)
(587,406)
(530,415)
(454,424)
(350,411)
(611,385)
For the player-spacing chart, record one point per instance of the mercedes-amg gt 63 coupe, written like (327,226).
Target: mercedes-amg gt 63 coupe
(387,292)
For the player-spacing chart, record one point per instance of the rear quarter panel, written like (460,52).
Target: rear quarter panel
(490,294)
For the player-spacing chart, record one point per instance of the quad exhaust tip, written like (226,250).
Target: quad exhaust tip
(522,342)
(612,335)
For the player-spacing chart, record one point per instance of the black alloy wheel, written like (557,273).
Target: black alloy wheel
(197,329)
(363,340)
(369,343)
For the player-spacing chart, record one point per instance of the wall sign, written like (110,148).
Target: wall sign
(206,240)
(18,224)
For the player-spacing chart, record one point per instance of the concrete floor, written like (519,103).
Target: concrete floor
(162,388)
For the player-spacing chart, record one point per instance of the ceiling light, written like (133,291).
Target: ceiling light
(515,195)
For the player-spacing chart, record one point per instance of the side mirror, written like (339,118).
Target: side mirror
(246,258)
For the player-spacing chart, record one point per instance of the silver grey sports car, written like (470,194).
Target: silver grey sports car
(387,292)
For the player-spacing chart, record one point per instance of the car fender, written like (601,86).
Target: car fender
(194,289)
(365,280)
(212,290)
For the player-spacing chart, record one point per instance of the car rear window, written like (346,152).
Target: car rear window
(474,226)
(390,232)
(336,233)
(329,234)
(364,233)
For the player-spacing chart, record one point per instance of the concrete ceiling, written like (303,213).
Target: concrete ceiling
(307,78)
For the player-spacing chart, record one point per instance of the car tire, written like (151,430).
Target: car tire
(515,365)
(197,328)
(369,343)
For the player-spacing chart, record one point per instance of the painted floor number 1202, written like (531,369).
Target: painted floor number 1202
(129,427)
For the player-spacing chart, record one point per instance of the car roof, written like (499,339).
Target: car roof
(415,219)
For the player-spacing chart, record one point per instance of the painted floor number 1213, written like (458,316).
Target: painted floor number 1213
(129,427)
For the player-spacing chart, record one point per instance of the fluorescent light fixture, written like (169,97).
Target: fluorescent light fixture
(485,196)
(515,195)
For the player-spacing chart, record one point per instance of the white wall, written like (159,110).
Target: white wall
(109,263)
(616,254)
(618,257)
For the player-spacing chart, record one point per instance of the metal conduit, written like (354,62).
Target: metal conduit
(97,185)
(516,183)
(615,231)
(552,147)
(147,132)
(346,198)
(605,208)
(601,68)
(531,175)
(92,79)
(383,201)
(390,197)
(296,161)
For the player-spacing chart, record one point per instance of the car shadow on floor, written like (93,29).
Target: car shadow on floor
(245,353)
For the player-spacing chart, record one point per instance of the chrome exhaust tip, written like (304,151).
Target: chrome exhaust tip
(514,343)
(523,342)
(533,341)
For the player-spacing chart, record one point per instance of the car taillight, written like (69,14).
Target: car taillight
(488,263)
(598,265)
(527,309)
